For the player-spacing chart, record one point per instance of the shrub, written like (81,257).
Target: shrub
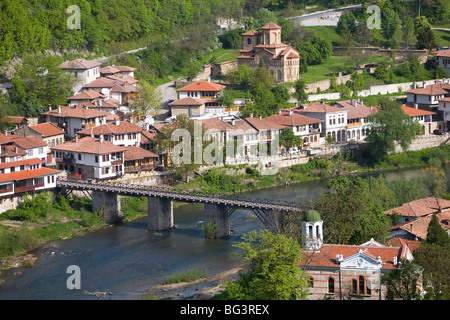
(209,229)
(185,276)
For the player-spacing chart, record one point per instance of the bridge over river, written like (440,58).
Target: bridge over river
(218,208)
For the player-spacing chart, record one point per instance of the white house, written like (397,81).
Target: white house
(428,96)
(334,119)
(120,133)
(358,124)
(83,71)
(443,59)
(74,119)
(27,175)
(444,110)
(423,117)
(91,158)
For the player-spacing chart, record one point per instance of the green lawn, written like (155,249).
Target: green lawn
(333,64)
(442,37)
(327,32)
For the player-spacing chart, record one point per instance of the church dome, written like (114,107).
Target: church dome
(312,216)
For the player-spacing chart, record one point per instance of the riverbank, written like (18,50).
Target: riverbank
(36,222)
(242,178)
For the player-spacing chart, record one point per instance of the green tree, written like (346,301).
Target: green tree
(39,81)
(149,100)
(436,234)
(390,23)
(275,272)
(288,138)
(401,283)
(434,259)
(425,36)
(346,23)
(300,90)
(390,126)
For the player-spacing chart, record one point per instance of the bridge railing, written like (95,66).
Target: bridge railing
(199,195)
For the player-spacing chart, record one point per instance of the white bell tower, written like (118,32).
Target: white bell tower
(312,231)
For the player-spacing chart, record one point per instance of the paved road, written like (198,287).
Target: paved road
(169,93)
(323,18)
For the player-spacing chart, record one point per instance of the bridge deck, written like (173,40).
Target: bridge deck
(147,191)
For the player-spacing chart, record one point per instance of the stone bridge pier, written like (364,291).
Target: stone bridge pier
(159,214)
(220,215)
(109,202)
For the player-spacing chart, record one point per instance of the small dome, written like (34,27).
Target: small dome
(312,216)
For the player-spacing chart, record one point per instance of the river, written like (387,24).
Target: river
(128,259)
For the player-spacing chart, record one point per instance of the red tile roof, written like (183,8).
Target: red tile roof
(87,95)
(111,128)
(47,129)
(214,124)
(203,86)
(432,89)
(80,64)
(443,53)
(23,143)
(413,112)
(264,124)
(20,162)
(188,101)
(419,227)
(26,174)
(75,112)
(271,26)
(136,153)
(101,83)
(89,145)
(326,257)
(294,119)
(420,207)
(317,107)
(355,109)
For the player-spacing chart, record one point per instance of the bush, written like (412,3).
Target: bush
(209,229)
(185,276)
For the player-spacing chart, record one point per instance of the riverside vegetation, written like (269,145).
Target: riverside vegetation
(46,217)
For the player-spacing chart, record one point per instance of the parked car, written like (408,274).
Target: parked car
(293,150)
(160,169)
(438,132)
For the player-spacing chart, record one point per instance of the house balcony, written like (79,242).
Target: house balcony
(29,188)
(2,191)
(314,131)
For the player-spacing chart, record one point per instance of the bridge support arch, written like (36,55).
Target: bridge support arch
(159,213)
(220,215)
(109,202)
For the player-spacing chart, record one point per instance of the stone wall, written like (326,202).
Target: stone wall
(380,52)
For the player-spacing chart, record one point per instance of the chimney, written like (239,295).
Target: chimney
(416,106)
(233,122)
(101,138)
(59,109)
(279,111)
(76,138)
(117,123)
(290,112)
(395,261)
(260,117)
(100,102)
(49,107)
(321,102)
(251,115)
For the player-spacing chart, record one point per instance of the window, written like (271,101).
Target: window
(310,282)
(249,41)
(30,152)
(96,159)
(79,156)
(330,285)
(41,150)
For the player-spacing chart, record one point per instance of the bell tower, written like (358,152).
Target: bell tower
(312,231)
(271,34)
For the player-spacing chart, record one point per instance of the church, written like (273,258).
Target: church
(343,272)
(282,60)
